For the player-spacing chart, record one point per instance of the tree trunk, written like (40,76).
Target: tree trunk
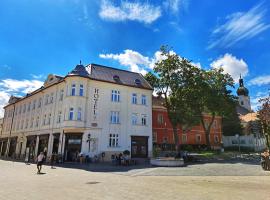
(176,139)
(207,130)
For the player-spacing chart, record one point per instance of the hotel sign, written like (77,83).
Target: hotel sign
(95,105)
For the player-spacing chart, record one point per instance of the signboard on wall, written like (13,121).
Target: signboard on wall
(95,104)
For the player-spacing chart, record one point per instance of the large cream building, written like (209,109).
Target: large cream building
(93,109)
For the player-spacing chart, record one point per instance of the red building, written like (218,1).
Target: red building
(195,136)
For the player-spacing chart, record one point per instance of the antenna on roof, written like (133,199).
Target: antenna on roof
(240,76)
(80,62)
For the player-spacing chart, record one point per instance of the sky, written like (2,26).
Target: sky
(41,37)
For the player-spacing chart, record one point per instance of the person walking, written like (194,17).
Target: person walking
(52,160)
(40,160)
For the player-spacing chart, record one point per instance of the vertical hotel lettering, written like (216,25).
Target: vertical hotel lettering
(95,106)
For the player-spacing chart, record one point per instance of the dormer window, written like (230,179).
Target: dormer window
(137,82)
(116,78)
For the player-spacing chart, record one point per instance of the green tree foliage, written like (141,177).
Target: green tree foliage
(190,93)
(264,116)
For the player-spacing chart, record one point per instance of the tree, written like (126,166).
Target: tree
(264,116)
(213,98)
(174,79)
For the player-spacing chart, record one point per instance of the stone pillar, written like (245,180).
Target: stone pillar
(1,147)
(50,144)
(7,149)
(36,149)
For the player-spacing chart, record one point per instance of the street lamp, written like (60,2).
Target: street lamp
(89,141)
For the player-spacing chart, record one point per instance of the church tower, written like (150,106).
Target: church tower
(243,98)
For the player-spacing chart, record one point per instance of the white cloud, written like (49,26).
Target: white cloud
(136,61)
(240,26)
(260,80)
(135,11)
(231,65)
(175,5)
(4,97)
(10,87)
(255,100)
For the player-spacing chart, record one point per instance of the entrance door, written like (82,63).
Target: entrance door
(73,145)
(139,146)
(12,147)
(55,143)
(4,147)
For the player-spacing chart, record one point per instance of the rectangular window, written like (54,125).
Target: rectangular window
(46,99)
(115,117)
(134,119)
(22,122)
(216,139)
(71,114)
(32,122)
(113,140)
(59,117)
(26,124)
(44,120)
(37,121)
(29,106)
(184,138)
(198,138)
(20,109)
(51,99)
(79,115)
(34,105)
(39,102)
(144,120)
(160,119)
(49,119)
(61,95)
(115,96)
(73,90)
(24,108)
(134,98)
(81,90)
(143,100)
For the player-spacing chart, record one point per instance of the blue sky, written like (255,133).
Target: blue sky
(39,37)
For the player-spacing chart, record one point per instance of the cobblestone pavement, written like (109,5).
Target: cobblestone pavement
(20,181)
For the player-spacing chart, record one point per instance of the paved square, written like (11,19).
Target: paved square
(20,181)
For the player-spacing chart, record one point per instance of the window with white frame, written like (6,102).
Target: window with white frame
(134,118)
(115,117)
(26,124)
(34,105)
(79,114)
(113,140)
(39,102)
(71,114)
(216,139)
(37,121)
(22,122)
(44,119)
(184,138)
(29,106)
(143,99)
(61,96)
(49,118)
(160,119)
(73,89)
(81,90)
(144,117)
(198,138)
(134,98)
(51,99)
(46,99)
(59,116)
(24,108)
(32,122)
(115,96)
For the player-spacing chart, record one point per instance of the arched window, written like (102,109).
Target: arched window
(71,113)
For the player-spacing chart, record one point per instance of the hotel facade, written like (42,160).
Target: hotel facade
(94,109)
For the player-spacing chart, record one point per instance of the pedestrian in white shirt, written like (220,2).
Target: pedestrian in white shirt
(40,160)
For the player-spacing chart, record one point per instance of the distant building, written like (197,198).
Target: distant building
(93,109)
(195,136)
